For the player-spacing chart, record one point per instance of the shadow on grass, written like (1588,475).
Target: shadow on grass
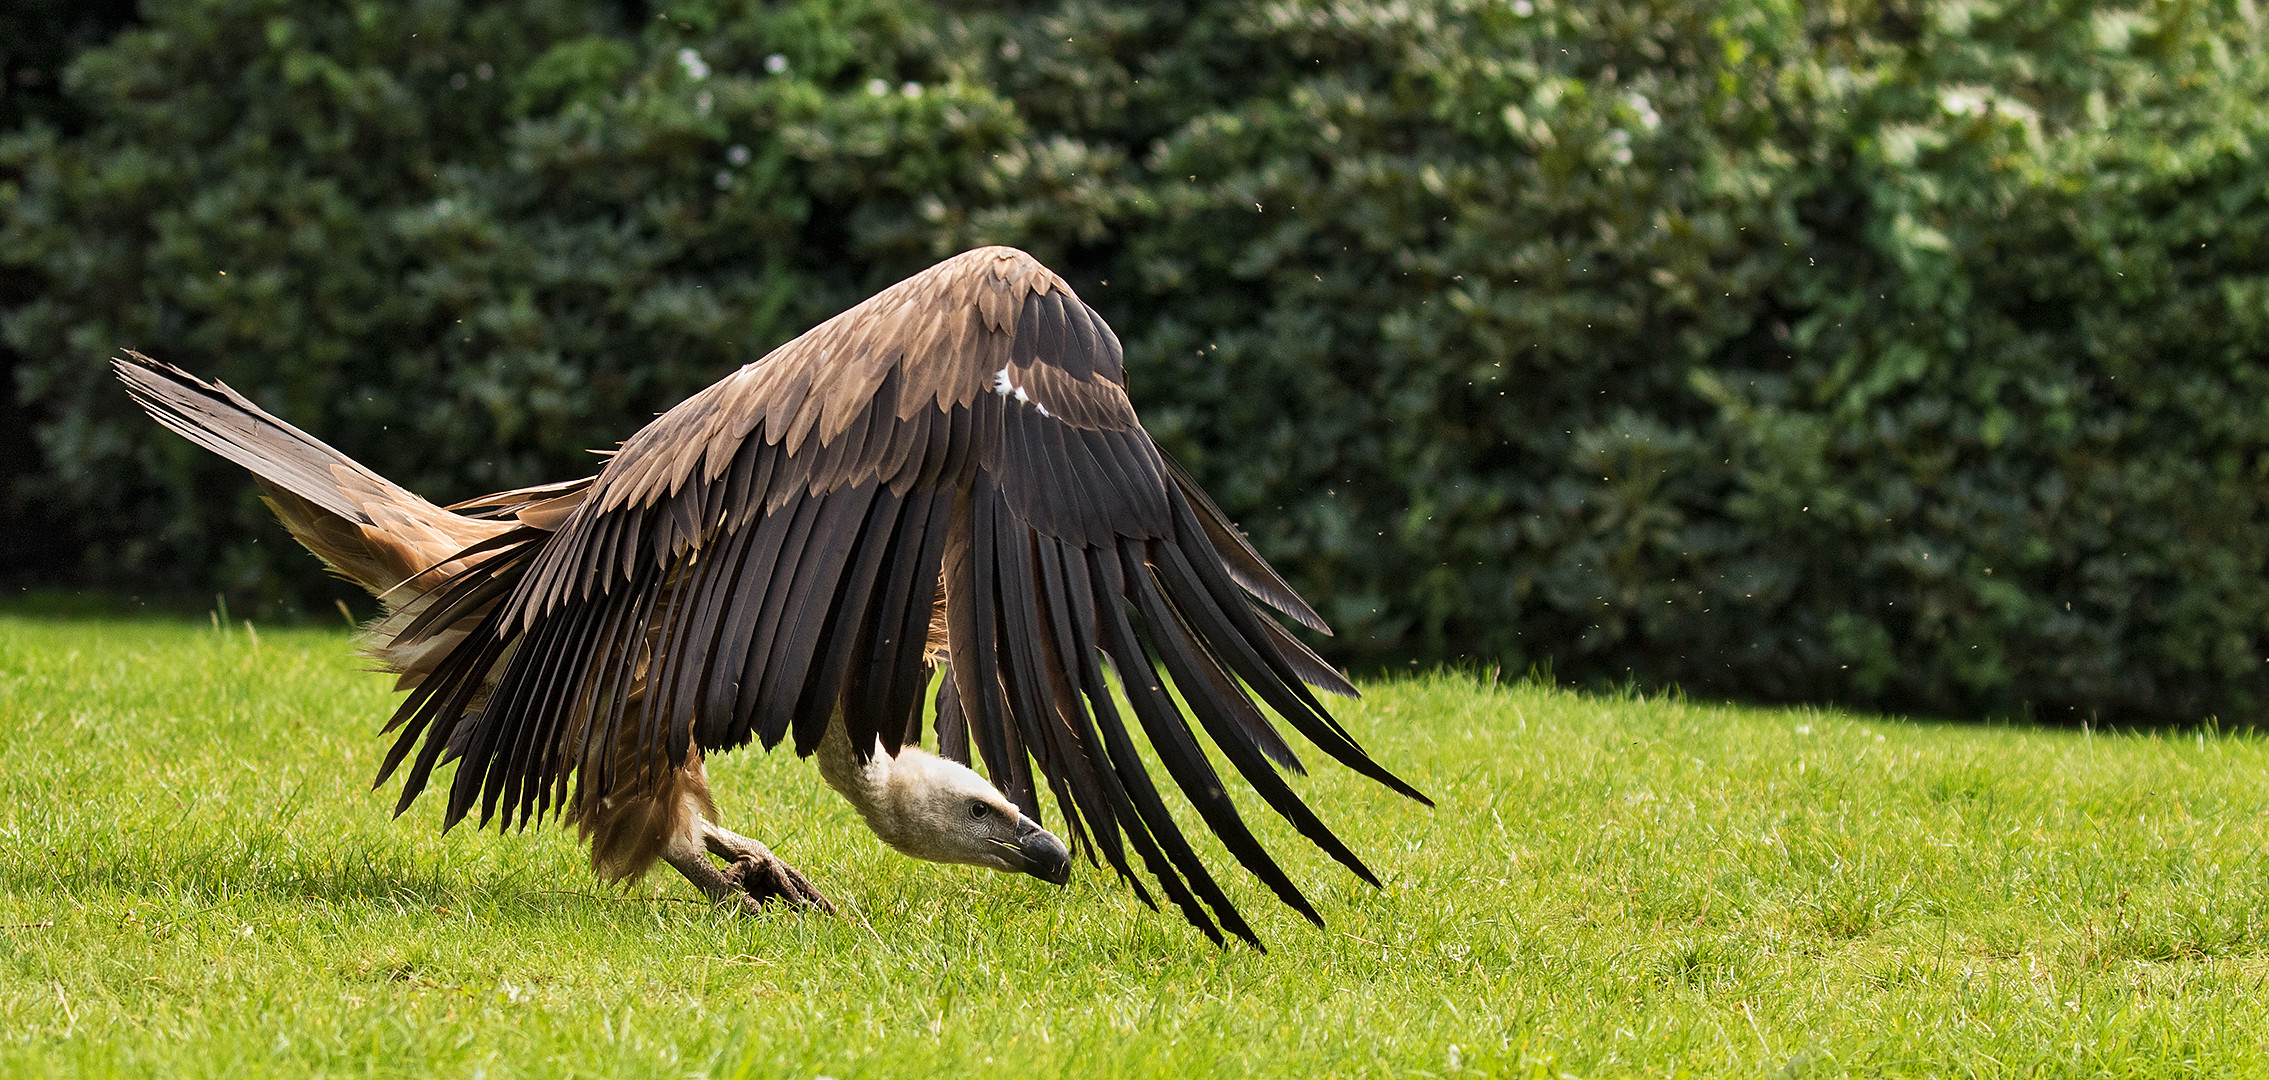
(1631,690)
(213,878)
(81,605)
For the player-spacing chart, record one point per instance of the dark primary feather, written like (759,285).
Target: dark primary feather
(770,551)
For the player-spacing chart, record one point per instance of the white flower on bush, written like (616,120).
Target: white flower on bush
(695,67)
(1963,100)
(1644,111)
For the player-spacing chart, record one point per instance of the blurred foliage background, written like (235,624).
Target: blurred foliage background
(1896,353)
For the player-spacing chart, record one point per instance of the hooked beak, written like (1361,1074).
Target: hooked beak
(1039,853)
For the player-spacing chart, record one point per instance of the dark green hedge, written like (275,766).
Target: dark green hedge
(1891,353)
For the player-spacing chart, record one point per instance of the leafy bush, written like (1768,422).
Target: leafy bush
(462,242)
(1881,352)
(37,40)
(1869,352)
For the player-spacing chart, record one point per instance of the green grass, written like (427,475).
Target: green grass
(197,881)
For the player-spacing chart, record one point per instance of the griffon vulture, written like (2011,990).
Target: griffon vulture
(949,472)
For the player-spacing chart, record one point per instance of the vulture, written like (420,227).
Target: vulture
(949,474)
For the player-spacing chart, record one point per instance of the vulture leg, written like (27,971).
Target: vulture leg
(670,821)
(693,862)
(755,876)
(757,872)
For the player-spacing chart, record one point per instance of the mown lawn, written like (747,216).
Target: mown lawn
(196,880)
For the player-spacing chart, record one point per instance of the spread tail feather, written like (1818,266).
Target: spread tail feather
(368,529)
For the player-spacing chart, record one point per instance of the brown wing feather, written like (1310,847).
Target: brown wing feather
(771,553)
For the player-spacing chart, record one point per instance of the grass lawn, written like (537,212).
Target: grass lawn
(195,880)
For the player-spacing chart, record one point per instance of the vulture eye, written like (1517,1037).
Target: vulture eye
(978,810)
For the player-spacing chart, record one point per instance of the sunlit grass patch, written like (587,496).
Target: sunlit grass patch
(196,879)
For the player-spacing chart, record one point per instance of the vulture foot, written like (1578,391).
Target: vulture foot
(762,879)
(756,875)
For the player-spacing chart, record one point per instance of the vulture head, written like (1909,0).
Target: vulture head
(931,808)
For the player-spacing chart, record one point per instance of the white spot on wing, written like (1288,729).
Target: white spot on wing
(1003,386)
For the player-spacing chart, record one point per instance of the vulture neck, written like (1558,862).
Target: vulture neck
(875,787)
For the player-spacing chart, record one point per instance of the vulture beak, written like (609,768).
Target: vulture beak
(1039,853)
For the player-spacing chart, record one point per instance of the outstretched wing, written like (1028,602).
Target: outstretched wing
(771,551)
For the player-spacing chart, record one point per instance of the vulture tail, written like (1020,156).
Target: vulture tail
(437,572)
(369,530)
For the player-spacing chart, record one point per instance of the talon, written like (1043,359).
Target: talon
(762,879)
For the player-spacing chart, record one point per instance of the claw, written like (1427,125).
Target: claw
(766,878)
(754,877)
